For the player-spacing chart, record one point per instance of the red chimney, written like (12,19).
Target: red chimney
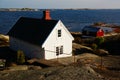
(46,15)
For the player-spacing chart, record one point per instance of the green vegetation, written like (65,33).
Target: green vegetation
(99,41)
(20,57)
(2,64)
(94,46)
(97,50)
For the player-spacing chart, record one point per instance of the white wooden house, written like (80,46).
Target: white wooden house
(41,38)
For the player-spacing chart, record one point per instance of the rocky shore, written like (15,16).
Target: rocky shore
(83,66)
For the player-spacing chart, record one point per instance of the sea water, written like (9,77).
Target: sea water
(74,20)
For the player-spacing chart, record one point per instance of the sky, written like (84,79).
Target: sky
(61,4)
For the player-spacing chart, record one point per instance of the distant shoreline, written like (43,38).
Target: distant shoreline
(37,9)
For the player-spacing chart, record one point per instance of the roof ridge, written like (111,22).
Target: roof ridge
(36,19)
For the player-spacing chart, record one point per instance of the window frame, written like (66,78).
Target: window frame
(59,50)
(59,32)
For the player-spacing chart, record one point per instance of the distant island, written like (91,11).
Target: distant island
(18,9)
(36,9)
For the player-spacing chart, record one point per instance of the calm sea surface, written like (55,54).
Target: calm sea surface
(74,20)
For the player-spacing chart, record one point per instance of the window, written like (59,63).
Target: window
(59,50)
(59,33)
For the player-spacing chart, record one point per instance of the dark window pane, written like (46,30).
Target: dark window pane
(57,51)
(61,50)
(59,33)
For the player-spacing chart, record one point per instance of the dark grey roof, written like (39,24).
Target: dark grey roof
(32,30)
(96,28)
(90,28)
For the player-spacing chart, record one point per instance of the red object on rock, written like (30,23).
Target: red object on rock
(100,33)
